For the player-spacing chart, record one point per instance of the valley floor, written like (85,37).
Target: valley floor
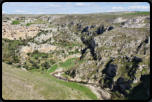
(18,84)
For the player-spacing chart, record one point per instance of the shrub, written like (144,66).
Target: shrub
(25,66)
(9,48)
(52,61)
(35,65)
(46,65)
(15,22)
(37,54)
(28,24)
(9,62)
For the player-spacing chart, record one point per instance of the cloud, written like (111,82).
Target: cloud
(54,5)
(72,7)
(19,11)
(79,4)
(84,4)
(138,7)
(68,3)
(117,8)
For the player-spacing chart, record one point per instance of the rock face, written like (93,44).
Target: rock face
(119,20)
(110,70)
(46,48)
(16,32)
(136,22)
(115,50)
(122,85)
(101,29)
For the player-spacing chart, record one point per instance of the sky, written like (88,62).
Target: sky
(71,7)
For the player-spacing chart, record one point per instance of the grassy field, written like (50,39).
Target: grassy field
(18,84)
(69,63)
(65,65)
(138,13)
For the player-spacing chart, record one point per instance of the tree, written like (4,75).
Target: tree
(46,65)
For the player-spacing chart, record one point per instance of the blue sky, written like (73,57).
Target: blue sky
(71,7)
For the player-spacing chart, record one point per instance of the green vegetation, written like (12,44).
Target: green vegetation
(66,76)
(79,87)
(37,54)
(65,65)
(39,60)
(138,13)
(9,50)
(15,22)
(20,84)
(53,68)
(68,64)
(28,24)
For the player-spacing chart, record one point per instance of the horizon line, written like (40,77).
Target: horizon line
(75,13)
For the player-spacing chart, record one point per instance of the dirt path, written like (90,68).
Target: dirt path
(71,56)
(100,93)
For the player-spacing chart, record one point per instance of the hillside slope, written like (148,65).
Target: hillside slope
(18,84)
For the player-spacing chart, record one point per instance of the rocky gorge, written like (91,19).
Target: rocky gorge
(114,49)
